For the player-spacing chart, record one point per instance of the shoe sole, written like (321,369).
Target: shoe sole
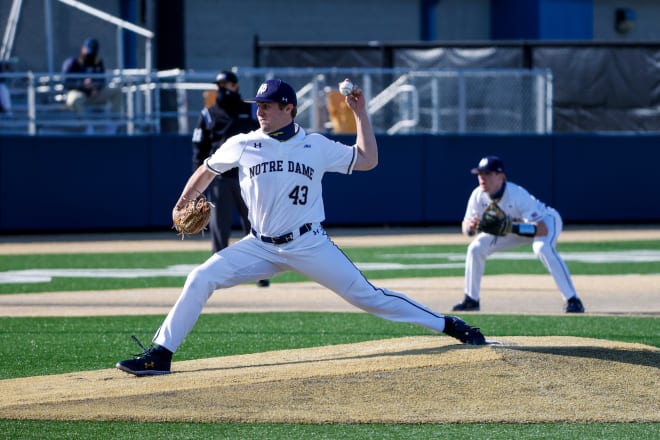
(142,372)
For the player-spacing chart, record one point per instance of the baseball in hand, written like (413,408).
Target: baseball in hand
(346,87)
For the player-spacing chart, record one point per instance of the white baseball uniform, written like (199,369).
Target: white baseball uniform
(518,203)
(281,185)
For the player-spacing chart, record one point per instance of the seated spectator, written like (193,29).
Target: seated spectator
(5,95)
(5,100)
(88,91)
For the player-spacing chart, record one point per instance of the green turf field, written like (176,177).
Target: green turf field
(41,346)
(169,268)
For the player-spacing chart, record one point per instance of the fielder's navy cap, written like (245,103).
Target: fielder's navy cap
(226,76)
(491,164)
(92,46)
(275,90)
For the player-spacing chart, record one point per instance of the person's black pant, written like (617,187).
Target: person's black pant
(225,194)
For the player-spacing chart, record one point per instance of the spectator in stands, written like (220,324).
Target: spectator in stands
(229,115)
(88,91)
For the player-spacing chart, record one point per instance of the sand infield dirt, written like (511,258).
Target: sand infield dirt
(407,380)
(529,294)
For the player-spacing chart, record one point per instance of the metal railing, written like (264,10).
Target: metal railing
(399,101)
(39,105)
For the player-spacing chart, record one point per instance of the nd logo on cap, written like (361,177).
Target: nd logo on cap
(262,89)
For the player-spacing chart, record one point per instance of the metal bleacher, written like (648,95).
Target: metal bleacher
(39,107)
(399,101)
(38,100)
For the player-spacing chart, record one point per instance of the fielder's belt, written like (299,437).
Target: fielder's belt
(282,239)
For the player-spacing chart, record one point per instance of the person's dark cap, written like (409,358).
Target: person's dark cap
(226,76)
(92,46)
(489,164)
(275,90)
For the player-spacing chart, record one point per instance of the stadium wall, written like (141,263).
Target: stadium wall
(62,184)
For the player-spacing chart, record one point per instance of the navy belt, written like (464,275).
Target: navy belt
(283,238)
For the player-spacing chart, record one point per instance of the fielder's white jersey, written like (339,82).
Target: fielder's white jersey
(516,201)
(286,176)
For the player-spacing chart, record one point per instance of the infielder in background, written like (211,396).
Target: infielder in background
(281,168)
(534,223)
(228,116)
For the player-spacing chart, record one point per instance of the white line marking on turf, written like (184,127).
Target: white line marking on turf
(456,262)
(633,256)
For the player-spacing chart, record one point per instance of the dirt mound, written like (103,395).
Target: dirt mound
(406,380)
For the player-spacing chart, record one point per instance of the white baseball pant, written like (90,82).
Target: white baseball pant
(545,249)
(313,255)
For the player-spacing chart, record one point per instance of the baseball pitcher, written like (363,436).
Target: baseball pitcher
(280,168)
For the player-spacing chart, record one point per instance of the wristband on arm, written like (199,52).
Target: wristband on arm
(524,229)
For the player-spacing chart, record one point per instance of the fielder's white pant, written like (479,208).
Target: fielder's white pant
(545,249)
(313,255)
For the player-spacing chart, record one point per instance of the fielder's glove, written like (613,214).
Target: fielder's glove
(193,217)
(494,221)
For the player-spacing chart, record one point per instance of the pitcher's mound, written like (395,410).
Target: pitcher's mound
(407,380)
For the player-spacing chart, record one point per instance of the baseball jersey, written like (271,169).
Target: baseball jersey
(281,181)
(516,201)
(228,116)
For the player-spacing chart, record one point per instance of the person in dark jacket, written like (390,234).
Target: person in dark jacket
(82,91)
(228,116)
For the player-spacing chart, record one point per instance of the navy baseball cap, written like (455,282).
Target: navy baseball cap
(92,46)
(226,76)
(491,164)
(275,90)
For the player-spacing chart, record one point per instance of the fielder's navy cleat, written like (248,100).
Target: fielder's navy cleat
(151,362)
(574,305)
(457,328)
(468,305)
